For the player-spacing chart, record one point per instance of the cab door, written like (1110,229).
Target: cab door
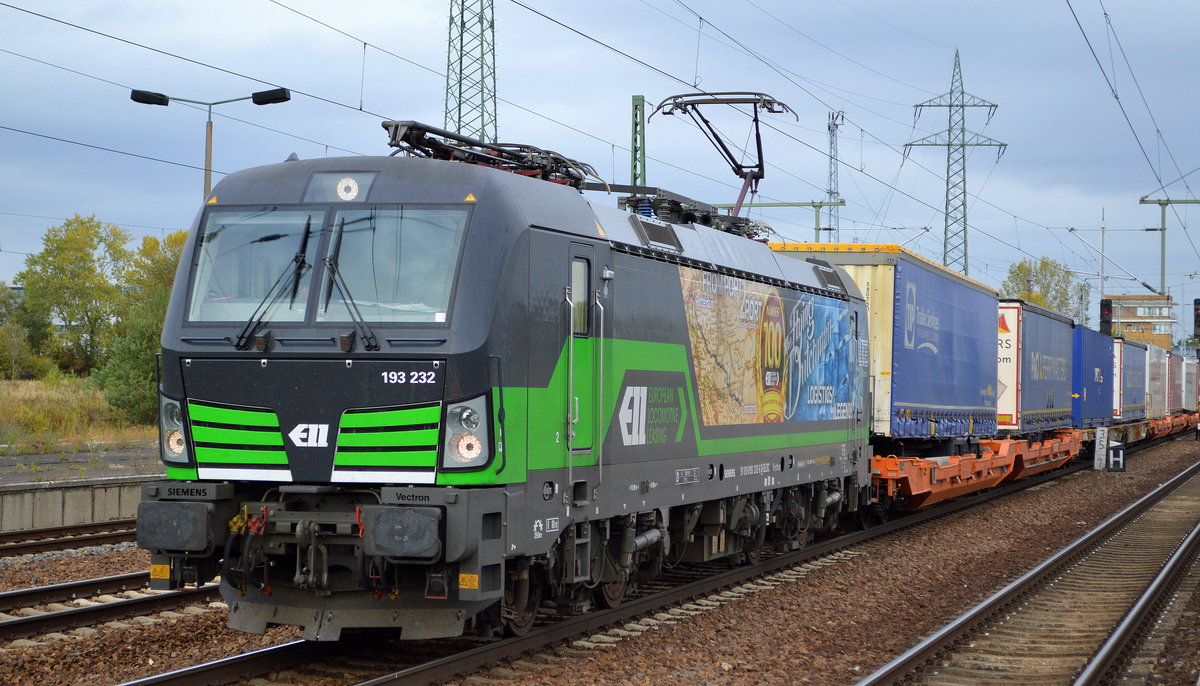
(582,338)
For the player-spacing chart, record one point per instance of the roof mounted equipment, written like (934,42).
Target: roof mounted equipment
(690,103)
(422,140)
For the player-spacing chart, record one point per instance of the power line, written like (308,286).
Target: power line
(185,104)
(767,124)
(1137,84)
(780,70)
(121,224)
(112,150)
(189,60)
(1125,114)
(800,33)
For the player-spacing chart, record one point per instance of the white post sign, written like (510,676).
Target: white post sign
(1100,459)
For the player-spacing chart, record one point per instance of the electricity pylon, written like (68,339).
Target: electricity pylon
(835,223)
(956,138)
(471,70)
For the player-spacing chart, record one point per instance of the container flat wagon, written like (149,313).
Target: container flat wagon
(1092,379)
(1129,380)
(1034,382)
(931,346)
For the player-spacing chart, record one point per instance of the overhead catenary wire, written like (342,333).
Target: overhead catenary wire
(769,125)
(352,107)
(1129,122)
(216,113)
(623,147)
(105,149)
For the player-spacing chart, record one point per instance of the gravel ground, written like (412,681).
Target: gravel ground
(834,626)
(116,654)
(61,566)
(1180,662)
(840,623)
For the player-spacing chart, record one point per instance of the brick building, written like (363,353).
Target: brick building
(1145,318)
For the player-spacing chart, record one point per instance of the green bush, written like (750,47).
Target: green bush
(128,377)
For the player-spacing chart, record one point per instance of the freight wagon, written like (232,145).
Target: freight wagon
(1190,382)
(1034,381)
(932,348)
(1092,379)
(1156,382)
(1174,383)
(1129,380)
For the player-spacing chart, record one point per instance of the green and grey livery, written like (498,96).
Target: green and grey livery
(429,395)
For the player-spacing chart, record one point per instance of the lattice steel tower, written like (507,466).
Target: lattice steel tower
(471,70)
(835,223)
(956,139)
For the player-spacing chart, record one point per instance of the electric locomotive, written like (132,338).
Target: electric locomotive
(433,391)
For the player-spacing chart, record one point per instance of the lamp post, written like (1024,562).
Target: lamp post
(270,97)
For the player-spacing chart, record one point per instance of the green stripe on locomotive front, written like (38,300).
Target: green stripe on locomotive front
(384,438)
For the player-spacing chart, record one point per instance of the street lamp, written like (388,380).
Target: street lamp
(270,97)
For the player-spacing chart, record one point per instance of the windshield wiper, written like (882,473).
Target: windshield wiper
(296,267)
(336,281)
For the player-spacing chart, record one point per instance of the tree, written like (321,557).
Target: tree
(127,378)
(75,283)
(152,267)
(1049,284)
(20,331)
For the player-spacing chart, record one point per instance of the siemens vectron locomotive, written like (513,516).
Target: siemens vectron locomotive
(433,391)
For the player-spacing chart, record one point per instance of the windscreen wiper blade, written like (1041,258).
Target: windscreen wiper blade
(336,281)
(296,268)
(301,263)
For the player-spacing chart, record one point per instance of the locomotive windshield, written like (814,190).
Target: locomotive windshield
(397,263)
(241,257)
(388,263)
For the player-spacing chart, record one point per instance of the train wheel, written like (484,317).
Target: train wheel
(522,618)
(611,594)
(872,515)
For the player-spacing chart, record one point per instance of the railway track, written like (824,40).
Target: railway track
(1075,616)
(437,661)
(358,660)
(25,541)
(42,610)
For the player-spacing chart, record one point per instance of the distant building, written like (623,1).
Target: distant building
(1145,318)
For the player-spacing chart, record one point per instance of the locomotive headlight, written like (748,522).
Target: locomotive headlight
(172,444)
(465,417)
(466,447)
(468,443)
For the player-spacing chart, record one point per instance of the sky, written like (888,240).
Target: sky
(72,141)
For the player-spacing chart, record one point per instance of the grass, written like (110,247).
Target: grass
(41,416)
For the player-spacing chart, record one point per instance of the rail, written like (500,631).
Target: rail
(937,643)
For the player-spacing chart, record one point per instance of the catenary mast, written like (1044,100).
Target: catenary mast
(471,70)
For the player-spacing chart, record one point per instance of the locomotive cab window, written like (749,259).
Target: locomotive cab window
(395,264)
(579,296)
(391,264)
(248,257)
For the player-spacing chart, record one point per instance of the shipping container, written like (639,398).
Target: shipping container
(1156,382)
(1190,380)
(932,347)
(1091,379)
(1129,382)
(1174,383)
(1034,369)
